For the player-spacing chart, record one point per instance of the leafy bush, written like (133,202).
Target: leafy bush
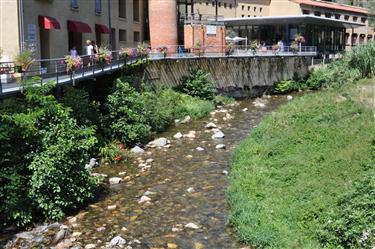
(351,224)
(198,85)
(43,153)
(287,86)
(86,112)
(127,119)
(194,107)
(113,152)
(335,75)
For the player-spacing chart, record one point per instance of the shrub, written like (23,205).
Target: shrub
(86,112)
(287,86)
(198,85)
(113,152)
(126,118)
(351,224)
(46,173)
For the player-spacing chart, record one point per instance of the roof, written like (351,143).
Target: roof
(331,5)
(298,19)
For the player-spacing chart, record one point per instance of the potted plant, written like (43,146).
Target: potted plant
(299,39)
(229,48)
(143,50)
(294,47)
(23,61)
(198,48)
(254,46)
(128,53)
(163,50)
(72,63)
(275,48)
(104,56)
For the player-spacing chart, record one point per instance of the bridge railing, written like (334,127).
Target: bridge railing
(56,69)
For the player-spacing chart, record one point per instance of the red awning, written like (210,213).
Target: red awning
(81,27)
(47,22)
(99,28)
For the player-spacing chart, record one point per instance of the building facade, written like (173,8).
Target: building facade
(53,27)
(357,33)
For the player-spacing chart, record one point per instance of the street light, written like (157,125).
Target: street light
(109,23)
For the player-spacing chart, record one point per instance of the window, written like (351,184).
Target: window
(122,8)
(219,4)
(206,3)
(136,10)
(213,4)
(363,19)
(337,16)
(225,5)
(243,7)
(243,16)
(255,8)
(306,12)
(346,17)
(248,15)
(260,9)
(248,8)
(328,15)
(98,6)
(74,4)
(136,36)
(317,13)
(355,18)
(230,5)
(122,35)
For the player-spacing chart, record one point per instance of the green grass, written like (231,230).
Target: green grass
(296,164)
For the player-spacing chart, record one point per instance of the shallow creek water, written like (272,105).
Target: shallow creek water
(173,171)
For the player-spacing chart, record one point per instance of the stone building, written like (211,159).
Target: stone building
(53,27)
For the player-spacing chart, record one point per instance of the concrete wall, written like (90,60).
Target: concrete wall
(237,77)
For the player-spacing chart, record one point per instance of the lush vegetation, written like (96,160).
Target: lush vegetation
(198,85)
(43,154)
(45,141)
(305,176)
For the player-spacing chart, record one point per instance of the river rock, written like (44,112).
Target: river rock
(245,109)
(147,193)
(190,190)
(76,234)
(91,164)
(220,146)
(187,119)
(90,246)
(66,243)
(144,199)
(25,236)
(137,150)
(259,102)
(100,229)
(115,180)
(190,134)
(191,226)
(60,235)
(218,134)
(225,172)
(112,207)
(160,142)
(122,173)
(150,160)
(210,125)
(117,241)
(178,135)
(200,149)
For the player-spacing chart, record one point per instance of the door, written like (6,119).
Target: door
(44,49)
(113,39)
(75,40)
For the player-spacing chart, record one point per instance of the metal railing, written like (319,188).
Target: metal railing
(56,69)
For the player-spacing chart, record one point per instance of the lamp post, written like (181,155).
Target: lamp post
(216,10)
(109,23)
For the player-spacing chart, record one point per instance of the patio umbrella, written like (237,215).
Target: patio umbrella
(238,39)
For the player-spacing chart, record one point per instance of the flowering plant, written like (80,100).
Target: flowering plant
(128,52)
(163,50)
(294,46)
(229,48)
(72,63)
(104,55)
(143,50)
(299,39)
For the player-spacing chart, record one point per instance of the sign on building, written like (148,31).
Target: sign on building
(211,30)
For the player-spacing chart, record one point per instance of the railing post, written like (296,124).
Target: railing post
(57,72)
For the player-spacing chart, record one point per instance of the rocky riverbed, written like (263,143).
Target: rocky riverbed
(172,195)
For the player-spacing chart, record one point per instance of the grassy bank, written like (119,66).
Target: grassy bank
(293,178)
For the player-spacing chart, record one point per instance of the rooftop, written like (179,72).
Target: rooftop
(295,19)
(331,5)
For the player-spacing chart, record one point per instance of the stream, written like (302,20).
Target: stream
(183,185)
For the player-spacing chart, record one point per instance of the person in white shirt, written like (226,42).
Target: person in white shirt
(89,51)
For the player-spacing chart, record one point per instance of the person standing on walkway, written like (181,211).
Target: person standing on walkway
(73,52)
(89,51)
